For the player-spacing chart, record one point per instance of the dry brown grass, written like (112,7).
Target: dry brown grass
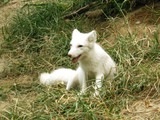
(24,92)
(142,23)
(147,109)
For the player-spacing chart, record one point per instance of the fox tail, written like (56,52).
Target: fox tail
(61,75)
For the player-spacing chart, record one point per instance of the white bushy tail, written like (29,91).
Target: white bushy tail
(46,79)
(62,75)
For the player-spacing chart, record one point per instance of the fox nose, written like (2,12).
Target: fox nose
(69,55)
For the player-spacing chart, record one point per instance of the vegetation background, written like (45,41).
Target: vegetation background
(35,38)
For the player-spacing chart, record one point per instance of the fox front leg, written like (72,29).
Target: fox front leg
(98,84)
(70,84)
(82,80)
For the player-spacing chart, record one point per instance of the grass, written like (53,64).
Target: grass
(38,40)
(3,2)
(36,32)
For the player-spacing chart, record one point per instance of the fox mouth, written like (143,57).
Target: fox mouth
(75,59)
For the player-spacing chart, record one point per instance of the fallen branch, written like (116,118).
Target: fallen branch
(80,11)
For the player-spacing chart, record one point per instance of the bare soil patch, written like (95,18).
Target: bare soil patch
(141,21)
(8,10)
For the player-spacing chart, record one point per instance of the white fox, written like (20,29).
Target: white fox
(93,62)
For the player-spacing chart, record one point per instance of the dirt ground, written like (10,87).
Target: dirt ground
(7,11)
(142,20)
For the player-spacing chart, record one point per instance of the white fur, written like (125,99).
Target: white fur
(62,75)
(94,62)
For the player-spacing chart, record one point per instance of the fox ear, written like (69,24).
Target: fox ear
(92,36)
(75,31)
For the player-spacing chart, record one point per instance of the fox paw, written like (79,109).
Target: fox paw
(96,94)
(82,92)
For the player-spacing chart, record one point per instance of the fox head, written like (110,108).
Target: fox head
(81,43)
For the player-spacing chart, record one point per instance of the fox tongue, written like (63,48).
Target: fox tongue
(74,60)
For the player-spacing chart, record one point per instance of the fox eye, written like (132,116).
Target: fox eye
(79,46)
